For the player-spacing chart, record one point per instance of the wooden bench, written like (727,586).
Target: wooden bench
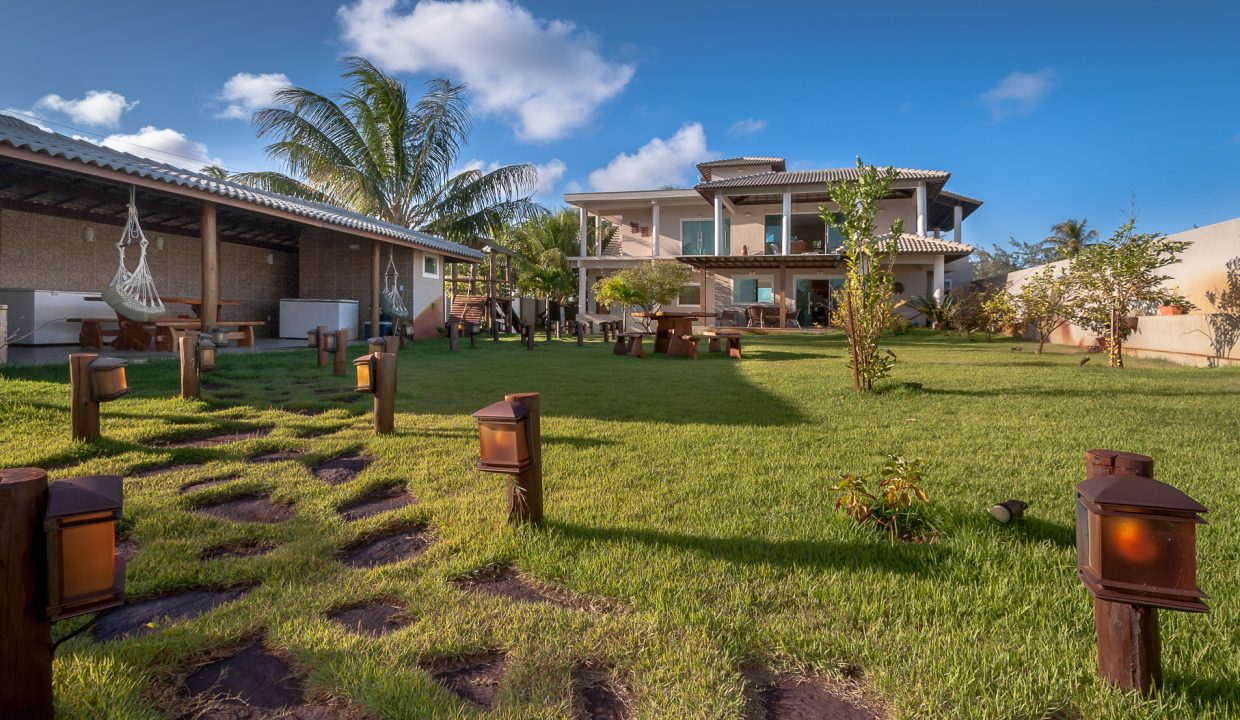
(733,339)
(133,335)
(96,330)
(630,344)
(691,344)
(168,332)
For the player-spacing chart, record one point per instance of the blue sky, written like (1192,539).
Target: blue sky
(1048,111)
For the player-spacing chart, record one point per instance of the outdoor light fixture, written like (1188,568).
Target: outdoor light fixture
(107,379)
(503,433)
(376,345)
(159,242)
(367,373)
(312,338)
(220,337)
(84,573)
(329,340)
(1009,510)
(206,353)
(1136,542)
(88,234)
(271,258)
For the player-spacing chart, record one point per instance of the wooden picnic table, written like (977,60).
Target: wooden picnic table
(195,304)
(671,328)
(132,335)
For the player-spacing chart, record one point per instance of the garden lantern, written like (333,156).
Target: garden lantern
(107,379)
(84,573)
(366,373)
(329,342)
(312,338)
(504,437)
(220,337)
(1136,542)
(376,345)
(206,353)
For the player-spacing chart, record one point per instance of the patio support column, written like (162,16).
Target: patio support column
(598,236)
(374,288)
(783,290)
(921,208)
(210,267)
(787,223)
(957,218)
(718,223)
(938,277)
(582,230)
(654,228)
(581,289)
(707,298)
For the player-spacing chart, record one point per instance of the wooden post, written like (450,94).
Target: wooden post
(581,336)
(529,336)
(341,358)
(210,268)
(385,393)
(525,491)
(191,386)
(783,294)
(391,345)
(376,279)
(321,332)
(83,410)
(453,336)
(25,633)
(1129,647)
(492,296)
(472,329)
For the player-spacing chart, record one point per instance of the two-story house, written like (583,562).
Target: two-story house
(753,233)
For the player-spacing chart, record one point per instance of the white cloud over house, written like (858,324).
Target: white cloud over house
(658,163)
(100,108)
(748,126)
(547,76)
(164,145)
(1020,93)
(550,173)
(245,93)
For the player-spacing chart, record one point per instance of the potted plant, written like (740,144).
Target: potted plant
(1174,309)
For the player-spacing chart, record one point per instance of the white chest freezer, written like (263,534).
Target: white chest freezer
(37,317)
(299,316)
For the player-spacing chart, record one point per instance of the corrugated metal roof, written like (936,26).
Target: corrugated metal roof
(777,163)
(24,136)
(814,177)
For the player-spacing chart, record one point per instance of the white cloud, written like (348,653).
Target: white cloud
(546,76)
(748,126)
(245,93)
(659,162)
(549,173)
(165,145)
(99,107)
(1019,93)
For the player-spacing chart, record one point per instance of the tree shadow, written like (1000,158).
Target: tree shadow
(1215,693)
(1224,323)
(901,558)
(577,441)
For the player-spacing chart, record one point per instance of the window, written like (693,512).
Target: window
(690,295)
(697,237)
(753,290)
(430,266)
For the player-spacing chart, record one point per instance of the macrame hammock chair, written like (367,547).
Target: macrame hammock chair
(390,300)
(132,294)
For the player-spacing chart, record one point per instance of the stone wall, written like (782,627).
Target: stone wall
(45,252)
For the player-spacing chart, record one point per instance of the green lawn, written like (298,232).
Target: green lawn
(693,498)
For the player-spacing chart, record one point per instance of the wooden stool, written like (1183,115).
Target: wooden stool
(692,341)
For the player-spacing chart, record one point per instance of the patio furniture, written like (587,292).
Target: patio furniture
(790,317)
(691,345)
(670,327)
(632,344)
(732,337)
(731,317)
(798,247)
(753,316)
(466,309)
(772,317)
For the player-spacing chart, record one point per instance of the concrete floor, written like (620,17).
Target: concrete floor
(56,354)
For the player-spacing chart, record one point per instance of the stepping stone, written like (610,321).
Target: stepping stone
(507,583)
(594,697)
(245,548)
(390,547)
(252,508)
(342,469)
(474,679)
(377,618)
(205,483)
(376,503)
(161,469)
(794,697)
(147,616)
(252,678)
(127,549)
(275,456)
(208,441)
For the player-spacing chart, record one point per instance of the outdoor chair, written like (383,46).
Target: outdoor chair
(730,317)
(772,317)
(790,318)
(753,315)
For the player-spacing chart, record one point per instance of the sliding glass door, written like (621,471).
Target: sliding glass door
(697,237)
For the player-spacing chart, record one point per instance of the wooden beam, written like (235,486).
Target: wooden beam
(375,279)
(210,268)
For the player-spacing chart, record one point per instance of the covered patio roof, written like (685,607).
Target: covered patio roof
(761,262)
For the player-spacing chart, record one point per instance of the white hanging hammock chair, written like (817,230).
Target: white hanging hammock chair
(390,300)
(132,294)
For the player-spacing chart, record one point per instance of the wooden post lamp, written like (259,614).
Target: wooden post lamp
(312,338)
(191,384)
(320,340)
(92,380)
(510,442)
(206,353)
(340,349)
(376,374)
(1135,552)
(57,560)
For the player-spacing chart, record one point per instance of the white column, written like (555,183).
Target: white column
(581,231)
(921,208)
(598,236)
(581,288)
(958,219)
(787,223)
(654,228)
(718,223)
(938,277)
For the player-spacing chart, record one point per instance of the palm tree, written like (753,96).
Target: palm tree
(219,172)
(545,242)
(368,150)
(1070,237)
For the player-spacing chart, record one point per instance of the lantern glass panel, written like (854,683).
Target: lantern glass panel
(312,338)
(206,356)
(1146,551)
(108,382)
(1082,533)
(365,374)
(87,557)
(504,444)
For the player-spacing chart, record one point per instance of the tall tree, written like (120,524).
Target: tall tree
(369,150)
(545,242)
(1070,237)
(868,298)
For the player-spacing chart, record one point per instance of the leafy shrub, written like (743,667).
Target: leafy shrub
(899,506)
